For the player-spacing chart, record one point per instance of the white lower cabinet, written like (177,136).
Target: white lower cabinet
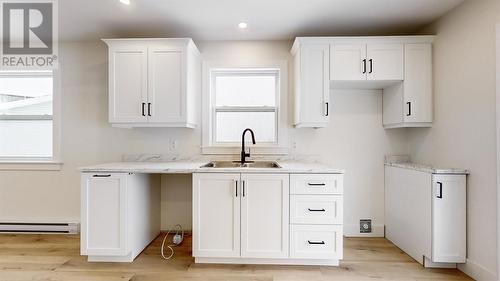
(316,241)
(264,215)
(119,215)
(316,216)
(425,215)
(316,209)
(216,215)
(245,218)
(240,215)
(449,218)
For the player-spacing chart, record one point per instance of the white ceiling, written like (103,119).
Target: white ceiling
(82,20)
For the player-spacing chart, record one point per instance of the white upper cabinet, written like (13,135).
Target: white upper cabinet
(400,66)
(153,82)
(128,71)
(166,84)
(348,62)
(418,83)
(312,90)
(384,62)
(360,62)
(409,104)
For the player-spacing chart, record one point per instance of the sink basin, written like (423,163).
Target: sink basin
(237,164)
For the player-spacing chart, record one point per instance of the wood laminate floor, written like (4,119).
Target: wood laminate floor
(56,258)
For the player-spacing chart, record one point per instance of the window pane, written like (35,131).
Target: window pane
(230,126)
(25,95)
(245,90)
(25,138)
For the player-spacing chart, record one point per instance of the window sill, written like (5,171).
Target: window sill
(30,166)
(272,150)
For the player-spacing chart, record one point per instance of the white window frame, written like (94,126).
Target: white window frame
(39,163)
(209,146)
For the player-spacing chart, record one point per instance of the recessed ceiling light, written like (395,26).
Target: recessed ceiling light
(242,25)
(126,2)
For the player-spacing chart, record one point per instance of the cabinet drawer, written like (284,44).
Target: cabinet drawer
(316,209)
(316,241)
(316,184)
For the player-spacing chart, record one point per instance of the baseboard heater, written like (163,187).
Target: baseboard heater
(67,228)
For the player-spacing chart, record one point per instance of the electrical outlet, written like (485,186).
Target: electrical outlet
(172,145)
(365,226)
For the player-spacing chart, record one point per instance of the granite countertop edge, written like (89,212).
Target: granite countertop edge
(186,167)
(427,168)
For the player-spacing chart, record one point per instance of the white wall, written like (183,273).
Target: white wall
(498,141)
(355,140)
(463,134)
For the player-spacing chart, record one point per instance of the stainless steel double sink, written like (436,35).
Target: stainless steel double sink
(238,164)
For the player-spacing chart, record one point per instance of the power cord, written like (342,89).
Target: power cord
(177,240)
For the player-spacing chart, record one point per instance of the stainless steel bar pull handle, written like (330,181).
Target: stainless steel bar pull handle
(316,242)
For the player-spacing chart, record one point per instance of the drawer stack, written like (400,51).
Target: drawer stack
(316,216)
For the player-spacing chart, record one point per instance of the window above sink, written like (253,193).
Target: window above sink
(240,96)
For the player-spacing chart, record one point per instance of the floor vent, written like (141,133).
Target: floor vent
(63,228)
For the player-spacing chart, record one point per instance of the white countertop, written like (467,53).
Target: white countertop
(187,167)
(427,168)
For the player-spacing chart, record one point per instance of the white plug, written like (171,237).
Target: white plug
(177,239)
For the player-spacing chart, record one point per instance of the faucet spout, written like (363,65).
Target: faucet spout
(244,155)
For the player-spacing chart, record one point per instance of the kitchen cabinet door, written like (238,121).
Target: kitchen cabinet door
(216,215)
(418,83)
(128,84)
(385,61)
(166,88)
(264,215)
(104,215)
(348,62)
(449,218)
(313,86)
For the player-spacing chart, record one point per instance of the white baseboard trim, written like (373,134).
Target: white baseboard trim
(352,230)
(477,271)
(274,261)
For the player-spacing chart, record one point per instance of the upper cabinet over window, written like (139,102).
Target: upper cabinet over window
(400,66)
(153,82)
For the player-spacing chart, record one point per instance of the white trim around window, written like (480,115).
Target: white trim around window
(53,163)
(279,68)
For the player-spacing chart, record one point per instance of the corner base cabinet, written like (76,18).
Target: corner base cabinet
(246,218)
(425,215)
(119,215)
